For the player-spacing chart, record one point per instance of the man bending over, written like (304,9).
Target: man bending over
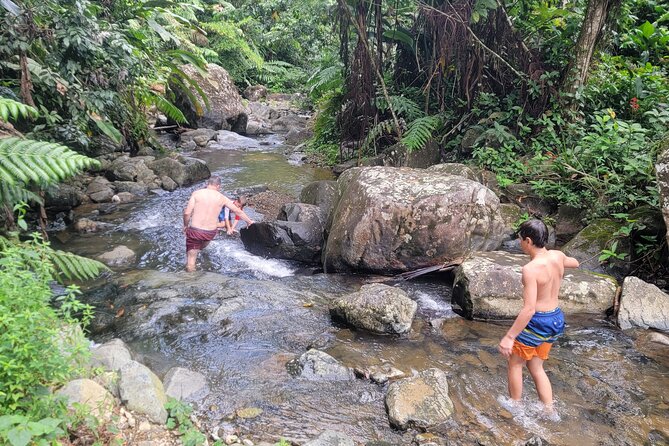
(201,218)
(540,321)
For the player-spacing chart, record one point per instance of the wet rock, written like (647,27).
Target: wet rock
(184,384)
(142,391)
(100,190)
(379,374)
(257,126)
(378,308)
(255,92)
(183,172)
(331,438)
(123,197)
(296,235)
(198,136)
(138,189)
(662,172)
(249,190)
(316,365)
(289,122)
(390,220)
(454,169)
(643,305)
(248,412)
(88,225)
(112,355)
(588,244)
(232,140)
(421,401)
(131,169)
(90,394)
(225,110)
(489,286)
(63,197)
(568,222)
(119,256)
(168,183)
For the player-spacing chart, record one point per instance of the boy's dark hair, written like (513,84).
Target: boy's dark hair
(536,230)
(242,200)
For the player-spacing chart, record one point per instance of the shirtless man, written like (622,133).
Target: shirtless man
(201,218)
(540,321)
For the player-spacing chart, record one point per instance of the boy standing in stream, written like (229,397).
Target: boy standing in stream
(540,321)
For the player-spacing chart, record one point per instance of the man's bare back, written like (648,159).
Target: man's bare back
(205,205)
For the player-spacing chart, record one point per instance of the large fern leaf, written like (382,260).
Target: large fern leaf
(14,109)
(165,106)
(402,106)
(23,161)
(420,131)
(327,78)
(73,267)
(12,194)
(382,128)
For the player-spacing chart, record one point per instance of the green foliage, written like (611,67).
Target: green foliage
(20,430)
(13,109)
(419,131)
(179,418)
(326,139)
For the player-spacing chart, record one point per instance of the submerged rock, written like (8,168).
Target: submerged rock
(421,401)
(390,220)
(643,305)
(378,308)
(119,256)
(184,384)
(489,286)
(316,365)
(331,438)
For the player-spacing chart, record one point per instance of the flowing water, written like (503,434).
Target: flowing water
(610,387)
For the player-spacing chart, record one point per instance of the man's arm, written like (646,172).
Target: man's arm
(188,212)
(237,211)
(525,314)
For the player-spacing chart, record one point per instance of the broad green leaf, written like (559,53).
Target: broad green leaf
(647,29)
(19,436)
(399,36)
(109,130)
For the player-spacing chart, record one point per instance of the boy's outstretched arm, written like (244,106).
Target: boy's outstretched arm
(570,262)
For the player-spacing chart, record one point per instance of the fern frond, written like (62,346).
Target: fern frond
(382,128)
(12,194)
(73,267)
(420,131)
(25,161)
(14,109)
(327,78)
(165,106)
(402,106)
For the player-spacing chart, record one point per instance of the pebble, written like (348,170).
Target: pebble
(144,426)
(231,439)
(247,442)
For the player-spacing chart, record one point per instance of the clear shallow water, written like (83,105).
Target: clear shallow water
(611,387)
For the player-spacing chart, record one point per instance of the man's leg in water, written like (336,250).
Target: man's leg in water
(515,375)
(541,381)
(191,257)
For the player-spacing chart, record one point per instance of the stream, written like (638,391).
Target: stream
(611,387)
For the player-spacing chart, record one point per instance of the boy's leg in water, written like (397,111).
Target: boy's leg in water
(541,381)
(515,375)
(191,257)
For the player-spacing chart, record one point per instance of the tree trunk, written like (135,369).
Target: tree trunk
(596,17)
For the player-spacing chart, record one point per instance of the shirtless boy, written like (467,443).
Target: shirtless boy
(201,218)
(540,321)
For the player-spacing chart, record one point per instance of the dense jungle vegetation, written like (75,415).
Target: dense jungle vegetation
(569,96)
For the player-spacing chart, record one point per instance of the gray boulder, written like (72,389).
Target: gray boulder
(399,156)
(200,137)
(390,220)
(184,384)
(421,401)
(662,172)
(331,438)
(289,121)
(296,136)
(112,355)
(138,189)
(255,92)
(142,391)
(225,110)
(90,394)
(488,285)
(297,235)
(378,308)
(454,169)
(125,168)
(63,197)
(588,244)
(316,365)
(183,171)
(231,140)
(322,194)
(643,305)
(119,256)
(100,190)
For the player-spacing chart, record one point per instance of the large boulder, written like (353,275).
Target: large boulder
(390,220)
(399,156)
(90,394)
(142,391)
(376,307)
(662,170)
(421,401)
(322,194)
(119,256)
(589,243)
(643,305)
(199,137)
(316,365)
(225,111)
(135,169)
(454,169)
(296,235)
(112,355)
(63,197)
(183,172)
(488,285)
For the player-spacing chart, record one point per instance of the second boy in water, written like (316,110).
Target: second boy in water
(540,321)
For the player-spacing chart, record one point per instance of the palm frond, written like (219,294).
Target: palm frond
(420,131)
(402,106)
(12,194)
(23,161)
(14,109)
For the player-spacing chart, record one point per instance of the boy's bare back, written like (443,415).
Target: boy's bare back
(546,271)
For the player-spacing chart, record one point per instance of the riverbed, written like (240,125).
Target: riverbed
(611,387)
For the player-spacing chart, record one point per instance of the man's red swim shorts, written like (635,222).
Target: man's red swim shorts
(198,238)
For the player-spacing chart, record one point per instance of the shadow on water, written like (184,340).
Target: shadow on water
(610,387)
